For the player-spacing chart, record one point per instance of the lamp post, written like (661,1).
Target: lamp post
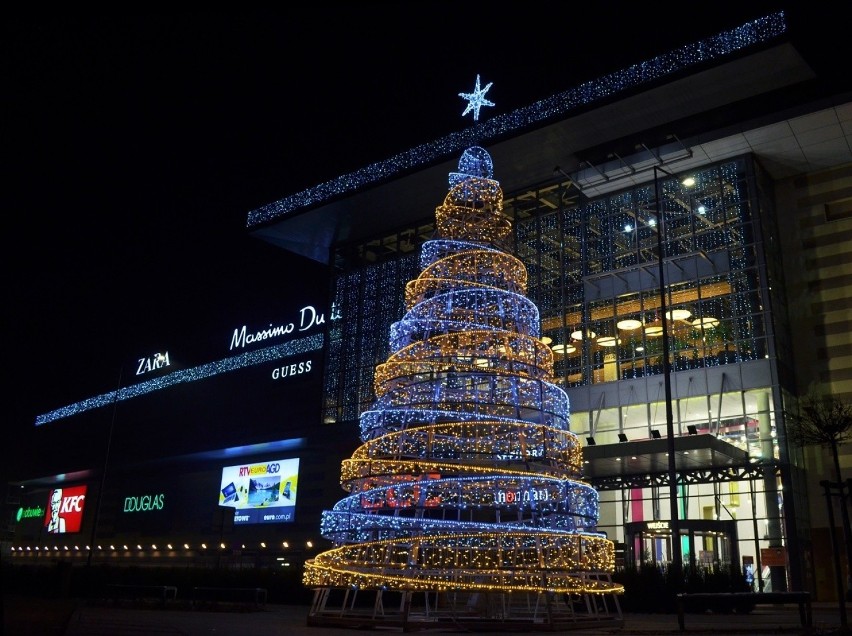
(838,574)
(677,555)
(104,470)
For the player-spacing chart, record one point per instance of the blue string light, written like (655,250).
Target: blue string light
(713,48)
(227,365)
(467,454)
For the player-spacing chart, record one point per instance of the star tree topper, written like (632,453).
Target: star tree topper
(476,99)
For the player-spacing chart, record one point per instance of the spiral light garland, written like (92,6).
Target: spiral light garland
(468,478)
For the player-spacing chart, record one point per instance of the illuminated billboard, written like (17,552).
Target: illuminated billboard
(64,513)
(264,492)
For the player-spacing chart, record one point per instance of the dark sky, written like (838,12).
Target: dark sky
(135,146)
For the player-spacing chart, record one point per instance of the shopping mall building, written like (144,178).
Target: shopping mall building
(686,226)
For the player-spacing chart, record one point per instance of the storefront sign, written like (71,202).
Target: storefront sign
(290,370)
(65,510)
(152,363)
(30,512)
(657,525)
(144,503)
(308,318)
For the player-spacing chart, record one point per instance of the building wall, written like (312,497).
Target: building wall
(152,450)
(815,211)
(818,265)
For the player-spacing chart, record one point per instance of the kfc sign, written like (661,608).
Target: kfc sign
(65,510)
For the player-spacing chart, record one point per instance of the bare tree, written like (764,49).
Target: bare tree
(825,421)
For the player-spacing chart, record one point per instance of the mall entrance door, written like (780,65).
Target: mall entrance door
(706,543)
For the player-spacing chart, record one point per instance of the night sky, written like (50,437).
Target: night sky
(136,146)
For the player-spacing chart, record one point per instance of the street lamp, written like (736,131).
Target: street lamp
(677,555)
(98,502)
(838,575)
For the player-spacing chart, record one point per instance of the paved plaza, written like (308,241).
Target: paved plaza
(65,617)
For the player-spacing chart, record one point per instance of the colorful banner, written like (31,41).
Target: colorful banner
(261,493)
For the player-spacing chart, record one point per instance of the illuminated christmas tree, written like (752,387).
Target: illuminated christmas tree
(469,481)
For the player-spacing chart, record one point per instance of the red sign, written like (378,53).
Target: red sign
(773,556)
(65,510)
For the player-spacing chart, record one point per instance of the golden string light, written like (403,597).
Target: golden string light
(468,478)
(525,561)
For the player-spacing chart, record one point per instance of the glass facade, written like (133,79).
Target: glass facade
(598,285)
(368,297)
(594,270)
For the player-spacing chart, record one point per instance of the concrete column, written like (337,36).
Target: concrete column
(777,573)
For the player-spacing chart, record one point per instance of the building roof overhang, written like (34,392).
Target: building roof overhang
(700,109)
(645,462)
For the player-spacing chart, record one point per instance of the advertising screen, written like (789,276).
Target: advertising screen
(264,492)
(64,512)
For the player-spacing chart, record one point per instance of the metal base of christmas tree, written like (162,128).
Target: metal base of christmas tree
(463,611)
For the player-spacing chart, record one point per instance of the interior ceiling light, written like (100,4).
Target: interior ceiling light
(608,341)
(678,314)
(561,348)
(578,335)
(653,331)
(628,324)
(705,322)
(546,340)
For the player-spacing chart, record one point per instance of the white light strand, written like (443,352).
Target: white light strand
(247,359)
(713,48)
